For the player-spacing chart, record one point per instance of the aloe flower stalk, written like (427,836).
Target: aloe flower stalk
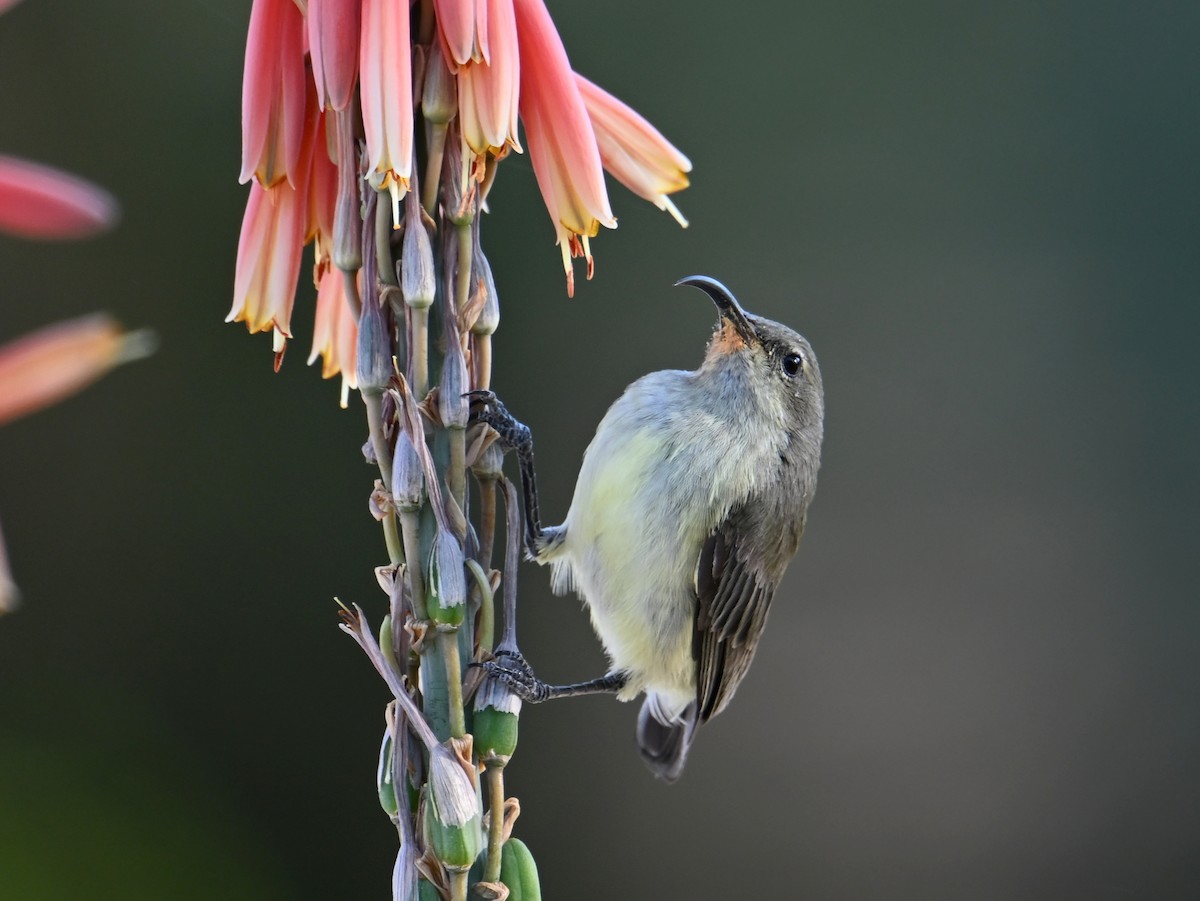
(407,310)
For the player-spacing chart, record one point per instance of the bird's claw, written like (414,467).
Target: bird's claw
(512,671)
(487,408)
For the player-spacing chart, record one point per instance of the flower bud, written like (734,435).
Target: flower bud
(518,871)
(439,94)
(488,319)
(417,277)
(489,464)
(374,365)
(495,722)
(447,582)
(453,819)
(454,409)
(383,777)
(458,197)
(408,477)
(347,210)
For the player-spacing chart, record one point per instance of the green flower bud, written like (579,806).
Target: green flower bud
(408,477)
(489,464)
(453,820)
(417,277)
(387,643)
(518,871)
(383,777)
(447,582)
(347,211)
(374,368)
(458,201)
(488,319)
(439,94)
(494,727)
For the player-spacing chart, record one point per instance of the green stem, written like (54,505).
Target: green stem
(449,642)
(485,637)
(462,283)
(419,351)
(383,457)
(483,361)
(495,781)
(456,473)
(433,167)
(458,885)
(410,527)
(487,521)
(383,240)
(353,298)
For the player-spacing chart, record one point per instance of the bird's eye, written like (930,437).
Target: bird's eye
(792,363)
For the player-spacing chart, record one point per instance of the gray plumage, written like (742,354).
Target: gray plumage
(690,503)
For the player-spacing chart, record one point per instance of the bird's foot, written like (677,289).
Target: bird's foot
(487,408)
(514,672)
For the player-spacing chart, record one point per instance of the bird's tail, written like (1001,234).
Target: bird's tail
(665,739)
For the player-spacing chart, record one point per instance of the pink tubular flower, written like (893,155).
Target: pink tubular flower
(463,25)
(385,76)
(335,331)
(562,144)
(634,151)
(39,202)
(268,260)
(333,32)
(275,228)
(44,367)
(488,91)
(273,94)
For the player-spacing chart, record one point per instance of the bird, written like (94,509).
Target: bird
(689,505)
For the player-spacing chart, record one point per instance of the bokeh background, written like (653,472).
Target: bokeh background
(980,679)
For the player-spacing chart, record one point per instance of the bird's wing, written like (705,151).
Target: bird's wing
(732,600)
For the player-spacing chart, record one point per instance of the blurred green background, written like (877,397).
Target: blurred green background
(980,679)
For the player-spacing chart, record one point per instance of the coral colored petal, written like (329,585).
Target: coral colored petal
(55,362)
(333,34)
(268,260)
(489,92)
(273,93)
(463,28)
(385,77)
(335,330)
(562,144)
(8,4)
(39,202)
(633,150)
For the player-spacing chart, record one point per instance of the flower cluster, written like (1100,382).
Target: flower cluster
(338,92)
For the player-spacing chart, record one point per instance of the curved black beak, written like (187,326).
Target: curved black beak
(731,311)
